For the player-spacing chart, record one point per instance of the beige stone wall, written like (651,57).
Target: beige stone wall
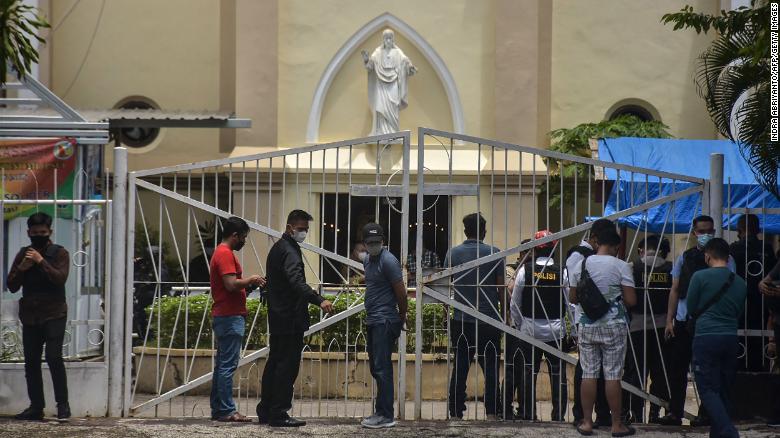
(461,32)
(167,51)
(606,51)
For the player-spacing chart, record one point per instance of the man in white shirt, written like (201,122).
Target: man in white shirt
(573,259)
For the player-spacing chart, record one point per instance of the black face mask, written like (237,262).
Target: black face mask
(39,241)
(239,245)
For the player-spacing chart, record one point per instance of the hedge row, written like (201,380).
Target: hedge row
(349,333)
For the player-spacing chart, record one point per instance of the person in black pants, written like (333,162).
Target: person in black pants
(754,258)
(466,342)
(679,341)
(288,318)
(647,354)
(41,271)
(770,288)
(481,288)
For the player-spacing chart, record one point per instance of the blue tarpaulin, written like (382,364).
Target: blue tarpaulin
(683,157)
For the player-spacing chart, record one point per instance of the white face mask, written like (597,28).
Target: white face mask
(374,248)
(299,236)
(362,255)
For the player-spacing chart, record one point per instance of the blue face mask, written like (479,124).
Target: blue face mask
(703,239)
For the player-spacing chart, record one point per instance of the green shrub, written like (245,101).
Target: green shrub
(348,334)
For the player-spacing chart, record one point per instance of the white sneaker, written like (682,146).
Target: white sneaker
(377,422)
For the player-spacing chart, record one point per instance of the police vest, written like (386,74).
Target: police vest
(542,297)
(653,285)
(693,262)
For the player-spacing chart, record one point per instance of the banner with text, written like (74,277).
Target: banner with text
(37,170)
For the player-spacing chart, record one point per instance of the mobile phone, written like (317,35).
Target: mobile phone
(775,283)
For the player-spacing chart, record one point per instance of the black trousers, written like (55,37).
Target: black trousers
(514,376)
(752,346)
(645,345)
(466,342)
(680,353)
(603,415)
(34,337)
(558,390)
(281,370)
(775,399)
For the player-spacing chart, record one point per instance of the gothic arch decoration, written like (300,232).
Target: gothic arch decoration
(358,38)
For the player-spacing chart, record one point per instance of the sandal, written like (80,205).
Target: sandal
(235,417)
(584,432)
(629,431)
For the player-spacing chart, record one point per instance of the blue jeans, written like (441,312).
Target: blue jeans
(228,332)
(715,367)
(380,344)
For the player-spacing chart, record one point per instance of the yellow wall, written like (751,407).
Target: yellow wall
(165,50)
(346,113)
(605,51)
(310,33)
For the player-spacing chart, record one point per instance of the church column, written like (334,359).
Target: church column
(523,71)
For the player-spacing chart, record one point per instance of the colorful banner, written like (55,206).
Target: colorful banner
(35,170)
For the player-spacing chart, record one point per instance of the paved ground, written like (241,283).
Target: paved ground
(173,427)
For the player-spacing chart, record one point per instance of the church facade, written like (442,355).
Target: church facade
(510,70)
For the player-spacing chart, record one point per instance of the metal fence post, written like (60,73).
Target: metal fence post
(716,192)
(116,302)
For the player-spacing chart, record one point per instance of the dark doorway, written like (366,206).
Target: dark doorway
(344,217)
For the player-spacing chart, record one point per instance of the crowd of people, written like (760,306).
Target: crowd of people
(648,318)
(632,320)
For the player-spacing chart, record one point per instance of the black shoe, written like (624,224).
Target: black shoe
(700,421)
(774,422)
(287,422)
(669,420)
(63,411)
(30,414)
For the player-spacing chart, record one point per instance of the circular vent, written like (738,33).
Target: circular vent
(137,137)
(635,110)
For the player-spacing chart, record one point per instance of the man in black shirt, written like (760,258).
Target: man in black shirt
(41,271)
(754,259)
(288,318)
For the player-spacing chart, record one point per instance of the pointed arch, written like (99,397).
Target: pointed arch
(385,20)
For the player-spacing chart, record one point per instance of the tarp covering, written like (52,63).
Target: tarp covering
(683,157)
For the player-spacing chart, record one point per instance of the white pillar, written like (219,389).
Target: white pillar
(116,295)
(716,192)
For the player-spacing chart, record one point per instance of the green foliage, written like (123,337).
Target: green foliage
(575,141)
(338,337)
(737,65)
(18,26)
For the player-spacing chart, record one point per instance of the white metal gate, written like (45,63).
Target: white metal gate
(173,214)
(519,190)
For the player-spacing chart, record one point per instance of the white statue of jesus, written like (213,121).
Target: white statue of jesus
(388,68)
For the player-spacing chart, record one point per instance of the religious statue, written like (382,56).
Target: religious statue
(388,68)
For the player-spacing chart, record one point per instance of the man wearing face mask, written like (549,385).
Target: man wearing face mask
(680,342)
(228,290)
(386,305)
(289,297)
(41,271)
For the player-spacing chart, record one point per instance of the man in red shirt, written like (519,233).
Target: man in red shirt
(228,290)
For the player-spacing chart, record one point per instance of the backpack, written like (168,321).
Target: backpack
(593,303)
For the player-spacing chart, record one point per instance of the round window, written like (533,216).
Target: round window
(137,136)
